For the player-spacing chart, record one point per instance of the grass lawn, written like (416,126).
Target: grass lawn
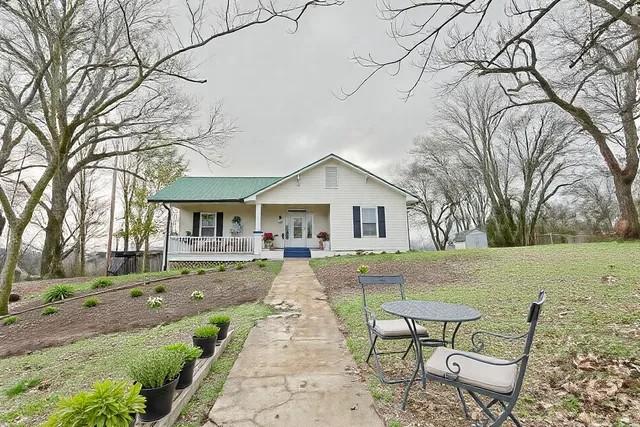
(30,385)
(584,368)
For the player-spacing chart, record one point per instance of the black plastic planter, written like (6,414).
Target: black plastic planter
(222,333)
(186,375)
(159,401)
(208,346)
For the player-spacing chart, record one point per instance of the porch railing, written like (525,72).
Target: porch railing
(210,245)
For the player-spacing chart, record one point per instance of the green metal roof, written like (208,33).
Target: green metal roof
(212,189)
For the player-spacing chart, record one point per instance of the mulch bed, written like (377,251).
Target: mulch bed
(341,278)
(117,311)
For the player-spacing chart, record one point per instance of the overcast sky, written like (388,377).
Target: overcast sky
(280,89)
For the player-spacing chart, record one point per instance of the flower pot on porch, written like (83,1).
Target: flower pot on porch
(159,401)
(327,245)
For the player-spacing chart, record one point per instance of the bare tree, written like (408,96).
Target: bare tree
(582,56)
(78,75)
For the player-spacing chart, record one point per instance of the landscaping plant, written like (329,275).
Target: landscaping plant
(363,269)
(160,289)
(109,404)
(222,267)
(239,266)
(197,295)
(58,293)
(206,337)
(157,371)
(136,292)
(9,320)
(102,282)
(261,264)
(201,271)
(49,310)
(185,271)
(189,354)
(222,321)
(91,302)
(155,302)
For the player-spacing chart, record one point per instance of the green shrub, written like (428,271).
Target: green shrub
(219,319)
(363,269)
(91,302)
(189,353)
(49,310)
(102,282)
(155,368)
(185,271)
(58,293)
(222,267)
(155,302)
(136,292)
(22,386)
(201,271)
(238,266)
(160,289)
(109,404)
(261,264)
(206,331)
(10,320)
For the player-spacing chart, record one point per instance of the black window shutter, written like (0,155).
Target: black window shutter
(195,231)
(357,231)
(219,219)
(382,226)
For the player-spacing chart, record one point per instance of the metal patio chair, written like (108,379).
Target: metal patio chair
(479,375)
(383,329)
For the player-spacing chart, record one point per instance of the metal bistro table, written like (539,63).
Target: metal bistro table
(430,311)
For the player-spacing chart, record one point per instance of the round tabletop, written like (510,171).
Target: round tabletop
(431,311)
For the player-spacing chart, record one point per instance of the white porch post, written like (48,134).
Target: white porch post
(257,231)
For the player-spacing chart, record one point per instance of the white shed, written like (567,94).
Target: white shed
(471,239)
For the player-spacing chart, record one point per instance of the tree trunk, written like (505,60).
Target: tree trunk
(145,256)
(9,270)
(628,225)
(52,251)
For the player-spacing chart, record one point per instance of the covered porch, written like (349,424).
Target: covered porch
(234,231)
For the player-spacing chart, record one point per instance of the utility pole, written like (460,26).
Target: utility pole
(113,211)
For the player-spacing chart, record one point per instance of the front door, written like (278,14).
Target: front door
(295,233)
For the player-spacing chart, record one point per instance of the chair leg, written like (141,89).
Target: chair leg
(371,349)
(408,349)
(407,386)
(515,419)
(464,404)
(482,406)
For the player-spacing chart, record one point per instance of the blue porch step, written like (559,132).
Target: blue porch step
(297,253)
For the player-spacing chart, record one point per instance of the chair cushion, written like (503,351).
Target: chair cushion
(500,379)
(396,328)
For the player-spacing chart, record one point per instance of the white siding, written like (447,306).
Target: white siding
(354,189)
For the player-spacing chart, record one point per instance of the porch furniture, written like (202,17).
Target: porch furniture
(480,375)
(431,311)
(385,330)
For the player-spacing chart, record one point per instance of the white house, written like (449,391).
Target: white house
(226,218)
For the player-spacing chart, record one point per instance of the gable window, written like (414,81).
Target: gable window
(369,218)
(207,224)
(331,176)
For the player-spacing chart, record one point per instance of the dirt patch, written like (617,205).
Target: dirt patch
(340,278)
(117,311)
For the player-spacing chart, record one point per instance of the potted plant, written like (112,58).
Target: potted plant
(222,321)
(157,372)
(205,337)
(109,403)
(323,237)
(189,354)
(267,238)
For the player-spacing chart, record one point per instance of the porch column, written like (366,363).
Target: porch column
(257,231)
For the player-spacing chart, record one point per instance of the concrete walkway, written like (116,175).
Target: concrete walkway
(294,368)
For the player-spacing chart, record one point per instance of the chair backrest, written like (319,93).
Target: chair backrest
(532,319)
(370,281)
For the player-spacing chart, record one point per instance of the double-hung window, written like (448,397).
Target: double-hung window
(369,218)
(207,224)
